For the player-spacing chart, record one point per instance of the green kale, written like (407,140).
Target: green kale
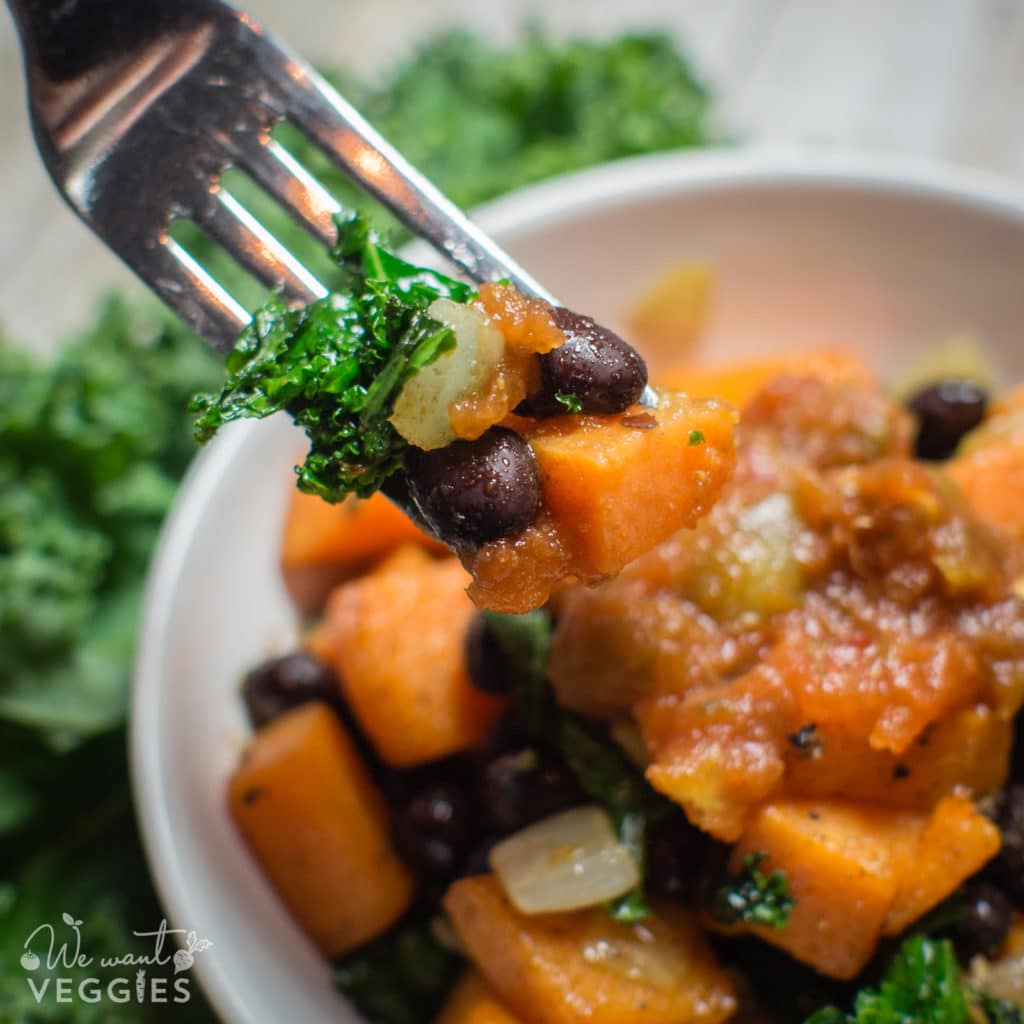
(400,978)
(753,897)
(923,985)
(337,365)
(524,641)
(571,402)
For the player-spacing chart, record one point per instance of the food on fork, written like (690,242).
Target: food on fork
(516,432)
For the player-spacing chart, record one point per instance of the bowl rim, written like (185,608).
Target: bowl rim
(675,172)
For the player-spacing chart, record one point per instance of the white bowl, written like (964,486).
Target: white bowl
(807,248)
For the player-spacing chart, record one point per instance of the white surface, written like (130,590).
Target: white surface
(889,257)
(937,78)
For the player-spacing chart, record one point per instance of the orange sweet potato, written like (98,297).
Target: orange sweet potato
(991,474)
(398,638)
(957,841)
(969,748)
(739,382)
(564,968)
(473,1001)
(844,862)
(324,544)
(319,829)
(619,485)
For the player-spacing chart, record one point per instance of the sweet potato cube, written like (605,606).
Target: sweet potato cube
(739,382)
(473,1001)
(564,968)
(324,544)
(619,485)
(844,862)
(399,635)
(313,819)
(992,477)
(957,841)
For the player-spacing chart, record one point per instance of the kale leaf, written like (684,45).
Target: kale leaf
(753,897)
(337,365)
(923,984)
(400,978)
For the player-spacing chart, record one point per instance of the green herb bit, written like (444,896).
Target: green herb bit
(337,366)
(696,438)
(753,897)
(572,403)
(400,978)
(923,985)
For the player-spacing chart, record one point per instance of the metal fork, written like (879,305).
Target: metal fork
(140,106)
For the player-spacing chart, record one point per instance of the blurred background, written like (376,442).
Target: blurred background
(93,433)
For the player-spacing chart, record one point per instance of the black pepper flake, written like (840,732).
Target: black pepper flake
(806,740)
(814,815)
(900,771)
(250,796)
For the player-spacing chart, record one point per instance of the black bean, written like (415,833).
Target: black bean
(945,412)
(986,923)
(283,683)
(485,661)
(433,830)
(479,861)
(675,851)
(472,492)
(521,787)
(594,366)
(1007,870)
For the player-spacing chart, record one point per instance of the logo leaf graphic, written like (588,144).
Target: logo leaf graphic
(68,919)
(183,960)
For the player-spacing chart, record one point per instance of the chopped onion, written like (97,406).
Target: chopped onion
(565,862)
(420,413)
(1002,978)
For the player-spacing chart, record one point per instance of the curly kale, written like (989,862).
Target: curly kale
(923,985)
(753,897)
(337,365)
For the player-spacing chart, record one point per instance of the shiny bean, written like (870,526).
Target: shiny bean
(472,492)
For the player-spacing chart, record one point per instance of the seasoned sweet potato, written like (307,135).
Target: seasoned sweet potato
(618,485)
(957,841)
(739,382)
(324,544)
(398,641)
(844,862)
(473,1001)
(564,968)
(969,748)
(318,827)
(991,474)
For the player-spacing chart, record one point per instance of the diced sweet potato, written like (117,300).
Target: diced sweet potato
(324,544)
(564,968)
(992,477)
(957,841)
(970,748)
(739,382)
(318,827)
(719,751)
(618,485)
(398,640)
(844,863)
(473,1001)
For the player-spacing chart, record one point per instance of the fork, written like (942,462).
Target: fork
(140,106)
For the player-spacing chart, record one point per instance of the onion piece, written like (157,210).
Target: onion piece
(565,862)
(420,413)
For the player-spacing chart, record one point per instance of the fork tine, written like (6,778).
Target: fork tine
(283,177)
(194,295)
(231,224)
